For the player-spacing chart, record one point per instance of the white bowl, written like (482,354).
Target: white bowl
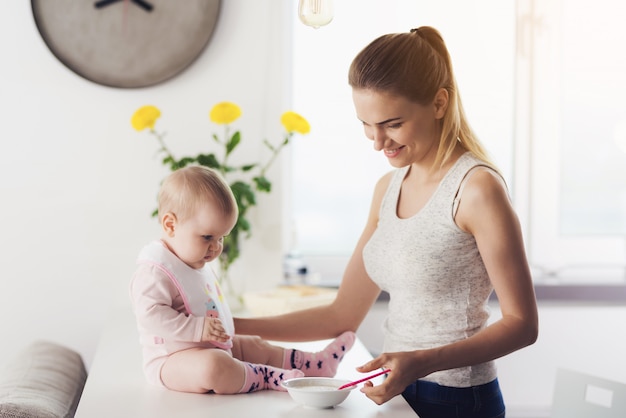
(317,392)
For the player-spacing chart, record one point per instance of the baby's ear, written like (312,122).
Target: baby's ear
(168,222)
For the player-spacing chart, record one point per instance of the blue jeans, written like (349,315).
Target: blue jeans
(431,400)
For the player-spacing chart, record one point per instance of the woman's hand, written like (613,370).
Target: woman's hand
(213,331)
(406,367)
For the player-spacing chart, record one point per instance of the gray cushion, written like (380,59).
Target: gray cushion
(45,380)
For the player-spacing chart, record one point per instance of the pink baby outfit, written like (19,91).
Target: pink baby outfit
(170,301)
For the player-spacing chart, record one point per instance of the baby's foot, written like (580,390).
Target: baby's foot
(323,363)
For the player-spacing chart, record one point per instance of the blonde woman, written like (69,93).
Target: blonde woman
(440,237)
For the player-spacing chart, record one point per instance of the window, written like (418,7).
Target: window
(571,146)
(542,84)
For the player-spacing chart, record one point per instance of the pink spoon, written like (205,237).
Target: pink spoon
(356,382)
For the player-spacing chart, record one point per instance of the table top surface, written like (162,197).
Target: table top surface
(116,386)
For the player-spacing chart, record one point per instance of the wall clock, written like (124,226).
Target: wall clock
(126,43)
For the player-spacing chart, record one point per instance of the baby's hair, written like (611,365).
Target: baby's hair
(188,188)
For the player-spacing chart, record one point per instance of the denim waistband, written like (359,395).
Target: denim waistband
(435,391)
(430,400)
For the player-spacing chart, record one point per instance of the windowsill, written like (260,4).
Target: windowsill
(606,290)
(613,294)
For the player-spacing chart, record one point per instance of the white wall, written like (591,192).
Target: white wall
(78,184)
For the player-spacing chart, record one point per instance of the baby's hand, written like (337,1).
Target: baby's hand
(214,331)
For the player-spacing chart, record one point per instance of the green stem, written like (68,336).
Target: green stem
(163,148)
(225,145)
(275,153)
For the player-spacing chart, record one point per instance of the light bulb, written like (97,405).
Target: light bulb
(316,13)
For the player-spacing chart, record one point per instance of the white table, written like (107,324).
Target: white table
(117,388)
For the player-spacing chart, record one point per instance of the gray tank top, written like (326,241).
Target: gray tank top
(433,272)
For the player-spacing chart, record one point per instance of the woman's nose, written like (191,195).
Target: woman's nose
(378,136)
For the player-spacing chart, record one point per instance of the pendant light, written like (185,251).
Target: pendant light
(316,13)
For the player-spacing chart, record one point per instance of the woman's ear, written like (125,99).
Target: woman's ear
(168,222)
(441,103)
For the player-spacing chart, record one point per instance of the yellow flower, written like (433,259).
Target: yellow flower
(224,113)
(293,122)
(145,117)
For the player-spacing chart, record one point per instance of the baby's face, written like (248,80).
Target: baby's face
(200,238)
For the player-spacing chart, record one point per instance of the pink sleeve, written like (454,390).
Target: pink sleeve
(159,308)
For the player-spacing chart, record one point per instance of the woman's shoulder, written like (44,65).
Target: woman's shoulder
(476,163)
(482,182)
(484,194)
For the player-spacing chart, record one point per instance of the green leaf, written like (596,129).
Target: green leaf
(170,162)
(234,141)
(231,249)
(175,165)
(185,161)
(244,225)
(244,195)
(263,184)
(208,160)
(247,167)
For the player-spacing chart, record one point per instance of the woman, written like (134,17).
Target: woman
(440,237)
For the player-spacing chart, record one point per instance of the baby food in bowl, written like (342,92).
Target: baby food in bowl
(317,392)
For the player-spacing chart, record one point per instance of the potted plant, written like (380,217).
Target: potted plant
(244,188)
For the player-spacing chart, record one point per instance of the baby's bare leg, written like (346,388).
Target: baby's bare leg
(256,350)
(200,370)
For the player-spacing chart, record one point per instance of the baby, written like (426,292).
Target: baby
(185,325)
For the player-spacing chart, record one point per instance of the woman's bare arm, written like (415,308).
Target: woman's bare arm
(355,297)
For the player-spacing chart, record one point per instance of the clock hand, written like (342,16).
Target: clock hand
(103,3)
(144,5)
(141,3)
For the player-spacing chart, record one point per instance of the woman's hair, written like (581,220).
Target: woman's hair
(185,190)
(415,66)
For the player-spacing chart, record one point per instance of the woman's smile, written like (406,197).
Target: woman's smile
(391,153)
